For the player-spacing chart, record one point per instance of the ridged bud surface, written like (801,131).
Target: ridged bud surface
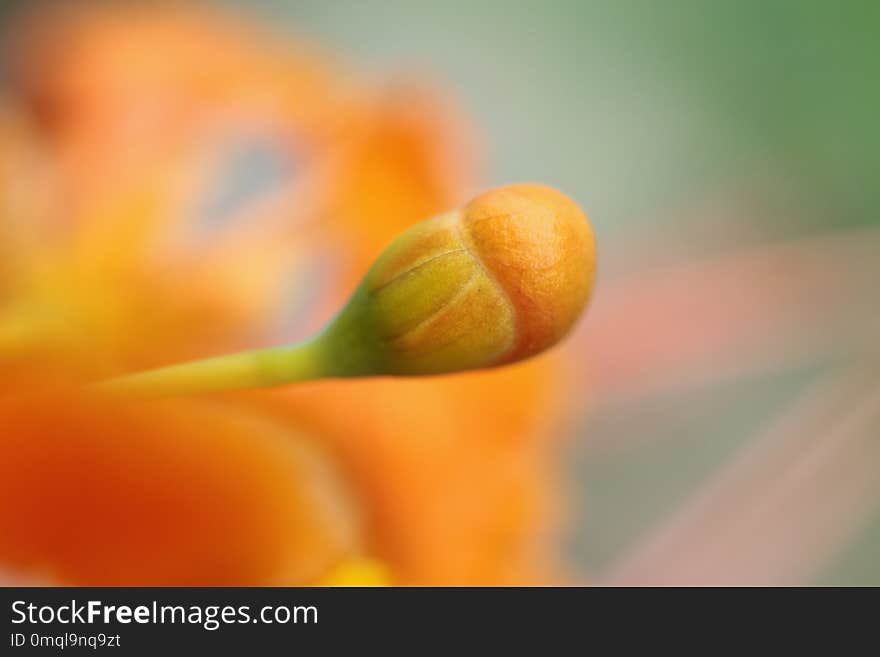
(500,280)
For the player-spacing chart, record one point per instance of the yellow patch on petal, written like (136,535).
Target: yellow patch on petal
(357,572)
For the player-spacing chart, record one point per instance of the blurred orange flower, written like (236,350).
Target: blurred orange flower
(193,185)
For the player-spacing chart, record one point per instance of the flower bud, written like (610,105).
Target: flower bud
(501,279)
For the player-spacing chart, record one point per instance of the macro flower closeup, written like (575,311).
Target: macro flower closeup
(200,186)
(463,293)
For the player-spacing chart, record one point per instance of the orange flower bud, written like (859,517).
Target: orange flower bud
(500,280)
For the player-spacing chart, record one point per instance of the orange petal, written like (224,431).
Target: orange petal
(179,493)
(455,473)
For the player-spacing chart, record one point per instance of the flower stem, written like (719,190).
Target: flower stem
(249,369)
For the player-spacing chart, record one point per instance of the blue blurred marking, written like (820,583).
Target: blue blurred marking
(251,168)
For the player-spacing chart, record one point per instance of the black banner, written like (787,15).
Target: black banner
(122,621)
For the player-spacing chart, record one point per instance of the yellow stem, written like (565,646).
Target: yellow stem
(250,369)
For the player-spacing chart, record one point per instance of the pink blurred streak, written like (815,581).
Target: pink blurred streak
(759,309)
(776,515)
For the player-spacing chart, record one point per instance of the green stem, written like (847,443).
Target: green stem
(249,369)
(345,348)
